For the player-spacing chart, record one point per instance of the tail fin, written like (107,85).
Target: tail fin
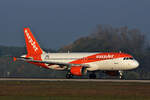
(33,48)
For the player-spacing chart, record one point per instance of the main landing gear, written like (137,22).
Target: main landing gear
(69,75)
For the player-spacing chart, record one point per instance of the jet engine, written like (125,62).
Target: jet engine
(78,70)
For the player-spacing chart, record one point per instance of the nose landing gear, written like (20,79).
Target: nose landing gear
(121,76)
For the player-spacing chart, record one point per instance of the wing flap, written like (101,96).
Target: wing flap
(50,62)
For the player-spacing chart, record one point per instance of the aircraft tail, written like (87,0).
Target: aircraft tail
(32,46)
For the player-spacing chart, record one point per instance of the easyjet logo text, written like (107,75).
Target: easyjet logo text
(104,56)
(31,41)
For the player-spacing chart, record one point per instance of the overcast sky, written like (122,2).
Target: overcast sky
(56,23)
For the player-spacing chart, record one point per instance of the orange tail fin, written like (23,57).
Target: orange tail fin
(33,48)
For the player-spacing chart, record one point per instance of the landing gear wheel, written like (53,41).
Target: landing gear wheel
(92,76)
(69,76)
(121,76)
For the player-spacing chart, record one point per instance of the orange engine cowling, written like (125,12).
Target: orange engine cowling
(78,70)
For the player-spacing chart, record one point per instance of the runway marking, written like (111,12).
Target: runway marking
(75,80)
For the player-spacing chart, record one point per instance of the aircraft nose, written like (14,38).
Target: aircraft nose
(135,64)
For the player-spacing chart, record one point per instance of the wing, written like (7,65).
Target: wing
(50,62)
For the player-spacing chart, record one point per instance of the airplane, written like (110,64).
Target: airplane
(77,64)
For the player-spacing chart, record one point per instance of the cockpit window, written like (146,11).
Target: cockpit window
(131,58)
(128,58)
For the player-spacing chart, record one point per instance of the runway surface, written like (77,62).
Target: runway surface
(75,80)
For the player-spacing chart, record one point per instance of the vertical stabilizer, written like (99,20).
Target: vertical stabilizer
(33,48)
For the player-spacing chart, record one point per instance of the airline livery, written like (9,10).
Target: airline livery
(77,64)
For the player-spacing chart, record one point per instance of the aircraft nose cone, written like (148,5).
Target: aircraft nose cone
(135,64)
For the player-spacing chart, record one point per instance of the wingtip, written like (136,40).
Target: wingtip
(14,59)
(26,28)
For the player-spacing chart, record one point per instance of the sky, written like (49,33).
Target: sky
(56,23)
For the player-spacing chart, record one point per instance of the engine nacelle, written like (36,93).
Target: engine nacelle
(78,70)
(112,73)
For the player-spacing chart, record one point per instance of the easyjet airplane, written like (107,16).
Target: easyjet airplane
(77,64)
